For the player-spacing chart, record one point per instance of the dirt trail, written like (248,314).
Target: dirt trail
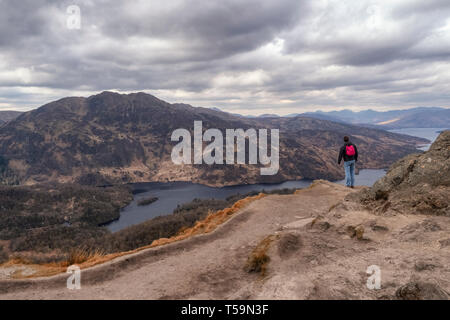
(320,247)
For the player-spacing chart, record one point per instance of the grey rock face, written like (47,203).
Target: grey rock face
(418,183)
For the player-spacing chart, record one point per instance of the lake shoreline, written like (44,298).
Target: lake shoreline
(174,193)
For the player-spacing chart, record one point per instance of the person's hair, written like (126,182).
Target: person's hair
(346,139)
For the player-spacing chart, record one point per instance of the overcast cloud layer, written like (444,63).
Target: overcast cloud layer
(247,56)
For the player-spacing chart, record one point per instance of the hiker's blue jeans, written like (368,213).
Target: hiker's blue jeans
(349,167)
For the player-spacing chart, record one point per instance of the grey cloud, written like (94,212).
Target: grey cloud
(210,28)
(305,52)
(380,44)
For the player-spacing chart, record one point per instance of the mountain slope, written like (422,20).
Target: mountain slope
(113,138)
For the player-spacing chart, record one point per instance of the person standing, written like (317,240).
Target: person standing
(349,153)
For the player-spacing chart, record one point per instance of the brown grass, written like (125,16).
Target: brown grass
(85,258)
(258,260)
(210,223)
(80,256)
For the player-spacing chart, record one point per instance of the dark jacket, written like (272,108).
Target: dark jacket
(342,153)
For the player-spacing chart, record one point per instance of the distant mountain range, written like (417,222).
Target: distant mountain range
(432,117)
(396,119)
(6,116)
(112,138)
(422,117)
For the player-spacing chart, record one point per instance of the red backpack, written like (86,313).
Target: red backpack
(350,150)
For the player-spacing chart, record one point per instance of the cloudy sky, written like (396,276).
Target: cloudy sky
(246,56)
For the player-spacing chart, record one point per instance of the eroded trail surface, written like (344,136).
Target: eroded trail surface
(311,245)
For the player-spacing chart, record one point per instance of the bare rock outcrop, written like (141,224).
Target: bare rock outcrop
(418,183)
